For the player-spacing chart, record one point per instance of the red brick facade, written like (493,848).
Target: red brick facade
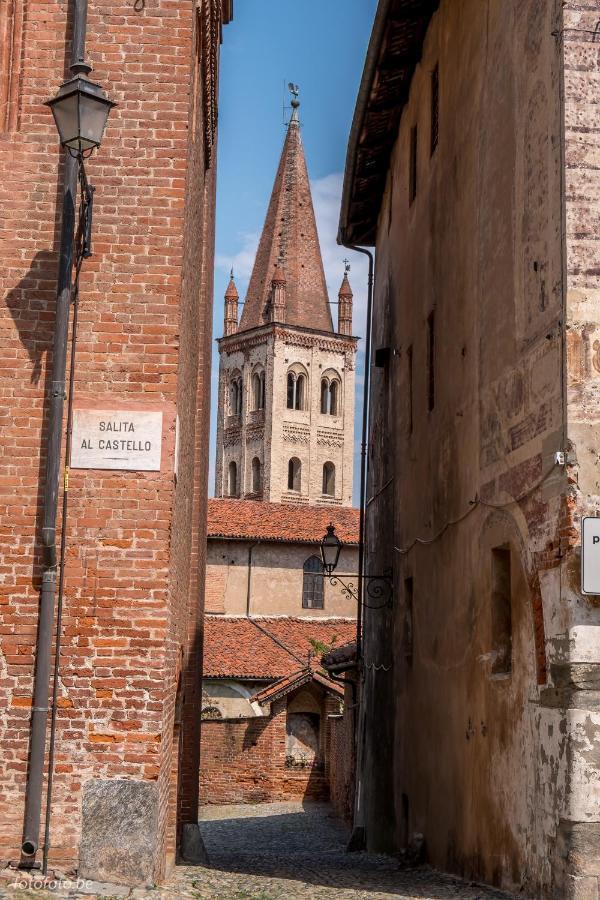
(244,760)
(136,545)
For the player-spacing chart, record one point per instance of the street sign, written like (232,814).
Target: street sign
(116,439)
(590,555)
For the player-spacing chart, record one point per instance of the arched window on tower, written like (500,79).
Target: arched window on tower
(235,396)
(329,479)
(232,486)
(258,389)
(324,395)
(313,584)
(333,398)
(296,389)
(256,476)
(330,394)
(294,474)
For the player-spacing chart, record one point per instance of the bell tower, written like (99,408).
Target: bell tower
(285,428)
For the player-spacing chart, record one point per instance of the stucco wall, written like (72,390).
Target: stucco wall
(496,771)
(274,583)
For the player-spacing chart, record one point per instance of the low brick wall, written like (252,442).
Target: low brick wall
(243,761)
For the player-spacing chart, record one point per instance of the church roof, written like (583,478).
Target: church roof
(267,647)
(260,519)
(290,242)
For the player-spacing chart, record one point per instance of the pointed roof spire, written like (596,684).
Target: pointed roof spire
(345,289)
(232,291)
(290,242)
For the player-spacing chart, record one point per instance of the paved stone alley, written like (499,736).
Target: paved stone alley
(283,851)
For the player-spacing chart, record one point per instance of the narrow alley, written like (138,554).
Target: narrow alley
(281,851)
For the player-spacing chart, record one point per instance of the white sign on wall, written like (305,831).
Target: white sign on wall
(590,555)
(116,439)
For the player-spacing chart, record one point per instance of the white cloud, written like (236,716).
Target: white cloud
(242,261)
(327,196)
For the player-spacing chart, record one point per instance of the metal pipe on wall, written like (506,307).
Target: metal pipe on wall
(39,713)
(357,841)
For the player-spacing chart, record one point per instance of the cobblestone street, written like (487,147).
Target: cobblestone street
(282,851)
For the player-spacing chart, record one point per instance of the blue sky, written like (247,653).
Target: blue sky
(320,45)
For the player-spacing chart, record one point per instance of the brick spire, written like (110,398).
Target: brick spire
(289,241)
(231,307)
(345,296)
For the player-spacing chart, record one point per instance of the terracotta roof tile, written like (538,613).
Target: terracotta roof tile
(280,521)
(266,647)
(292,682)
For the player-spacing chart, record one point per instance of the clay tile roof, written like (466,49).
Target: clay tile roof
(266,648)
(293,682)
(244,519)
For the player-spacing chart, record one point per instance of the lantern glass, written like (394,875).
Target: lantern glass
(331,547)
(80,110)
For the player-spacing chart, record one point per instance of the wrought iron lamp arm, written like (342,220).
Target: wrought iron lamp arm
(377,587)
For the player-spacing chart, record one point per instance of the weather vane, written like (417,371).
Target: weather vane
(295,92)
(346,265)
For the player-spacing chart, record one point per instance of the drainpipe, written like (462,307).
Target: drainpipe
(249,584)
(39,713)
(363,452)
(358,840)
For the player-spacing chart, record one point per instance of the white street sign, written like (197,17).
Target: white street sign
(590,555)
(116,439)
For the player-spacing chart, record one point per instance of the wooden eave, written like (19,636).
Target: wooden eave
(394,50)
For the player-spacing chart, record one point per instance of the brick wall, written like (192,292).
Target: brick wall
(243,761)
(135,543)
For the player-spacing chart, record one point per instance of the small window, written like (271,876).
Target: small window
(431,360)
(435,108)
(329,397)
(313,584)
(294,474)
(235,397)
(232,485)
(329,479)
(258,390)
(324,395)
(296,390)
(300,391)
(501,611)
(412,170)
(409,363)
(256,476)
(333,398)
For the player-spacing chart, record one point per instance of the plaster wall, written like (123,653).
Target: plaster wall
(275,580)
(499,772)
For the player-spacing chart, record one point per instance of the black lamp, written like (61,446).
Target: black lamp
(331,547)
(80,110)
